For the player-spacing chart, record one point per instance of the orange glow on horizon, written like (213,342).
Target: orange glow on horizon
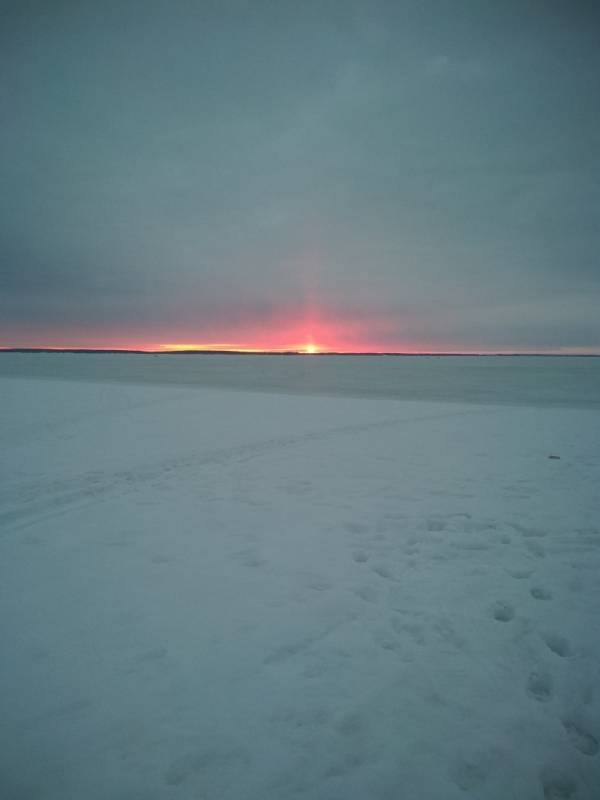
(307,330)
(303,349)
(287,330)
(208,346)
(309,348)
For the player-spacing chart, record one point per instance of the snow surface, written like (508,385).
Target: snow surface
(225,595)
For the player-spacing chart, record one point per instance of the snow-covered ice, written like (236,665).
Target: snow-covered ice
(229,595)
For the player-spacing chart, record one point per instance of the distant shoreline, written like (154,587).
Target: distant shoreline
(433,354)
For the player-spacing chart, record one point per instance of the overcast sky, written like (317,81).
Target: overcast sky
(402,174)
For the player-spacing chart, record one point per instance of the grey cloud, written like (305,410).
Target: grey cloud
(164,160)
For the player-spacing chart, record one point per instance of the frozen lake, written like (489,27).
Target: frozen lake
(276,595)
(518,380)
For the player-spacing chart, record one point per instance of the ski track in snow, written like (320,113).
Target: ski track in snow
(59,496)
(356,610)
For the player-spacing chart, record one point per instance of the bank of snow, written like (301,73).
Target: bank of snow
(228,595)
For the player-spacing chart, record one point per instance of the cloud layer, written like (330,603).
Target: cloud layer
(407,174)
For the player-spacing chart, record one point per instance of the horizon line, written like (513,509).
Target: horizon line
(116,350)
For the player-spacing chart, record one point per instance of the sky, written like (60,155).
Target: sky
(386,176)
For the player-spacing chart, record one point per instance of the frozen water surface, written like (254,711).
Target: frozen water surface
(387,593)
(523,380)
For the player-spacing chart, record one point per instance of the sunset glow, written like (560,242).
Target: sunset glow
(307,330)
(209,346)
(169,199)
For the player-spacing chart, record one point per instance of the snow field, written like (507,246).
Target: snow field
(226,595)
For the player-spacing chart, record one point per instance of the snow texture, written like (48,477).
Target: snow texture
(229,595)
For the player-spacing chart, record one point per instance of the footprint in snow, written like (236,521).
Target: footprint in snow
(539,593)
(315,669)
(249,558)
(558,785)
(435,525)
(390,645)
(318,584)
(530,533)
(356,527)
(367,593)
(520,574)
(580,738)
(558,644)
(449,634)
(383,571)
(535,548)
(540,686)
(502,612)
(161,559)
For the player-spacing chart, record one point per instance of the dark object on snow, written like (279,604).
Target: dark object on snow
(553,456)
